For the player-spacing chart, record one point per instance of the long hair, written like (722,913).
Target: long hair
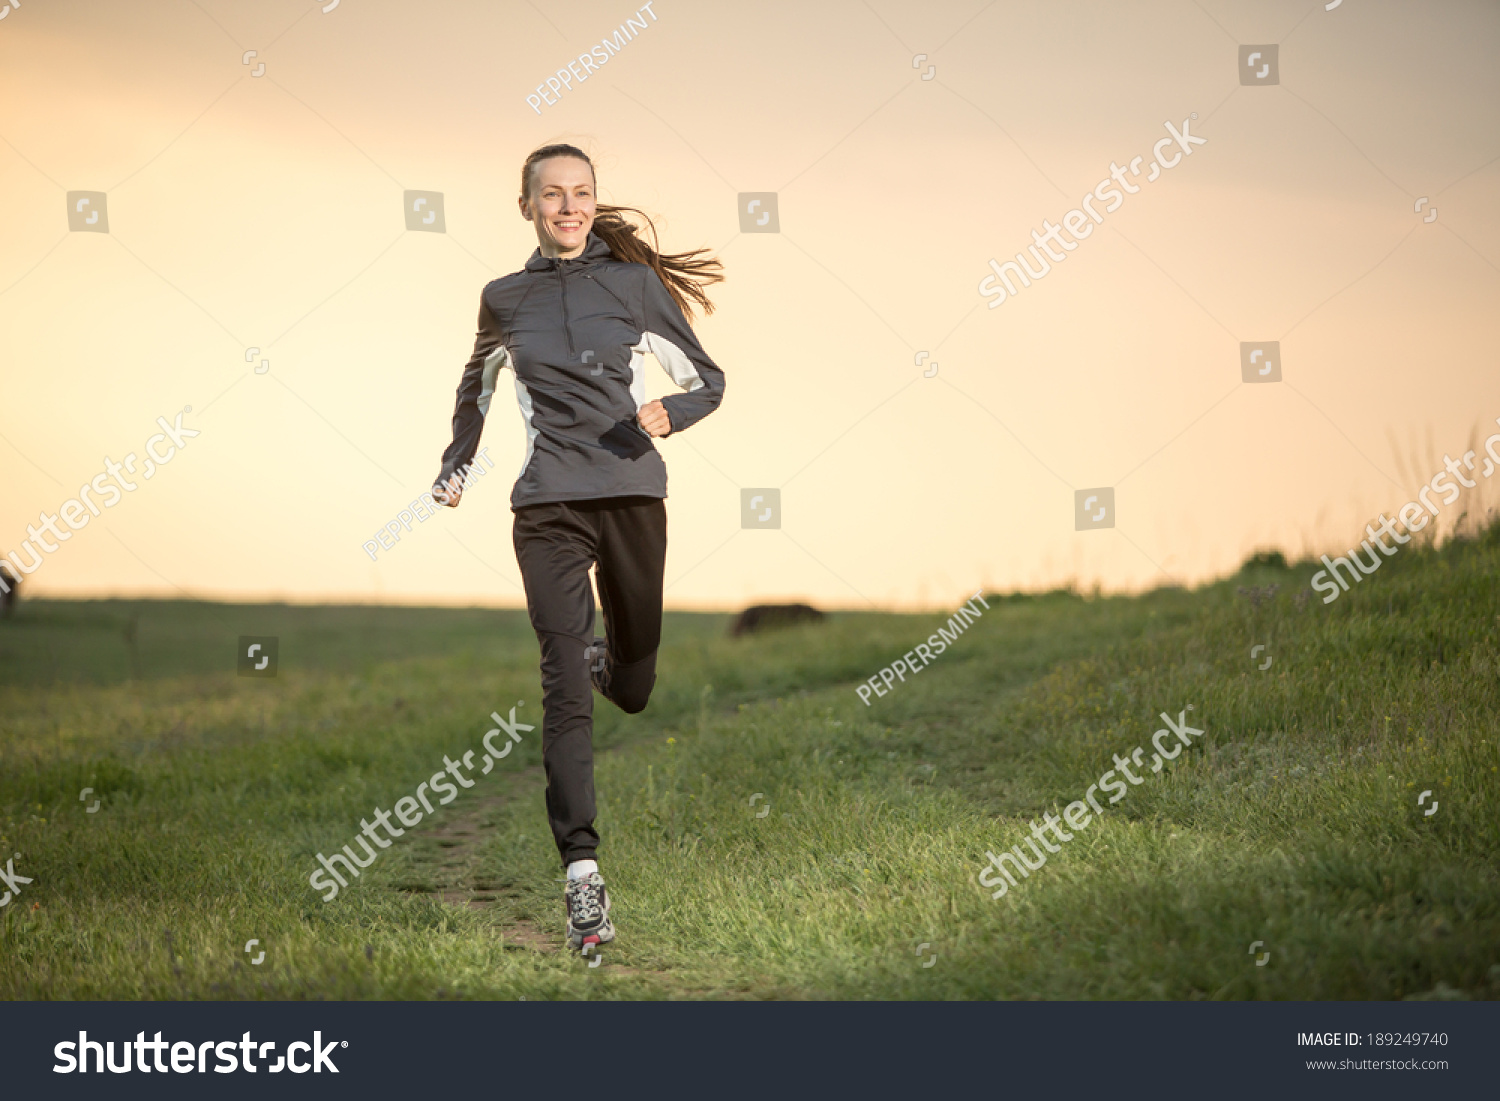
(682,273)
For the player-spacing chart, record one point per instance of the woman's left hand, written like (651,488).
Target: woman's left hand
(654,419)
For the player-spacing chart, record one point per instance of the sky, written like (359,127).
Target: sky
(921,443)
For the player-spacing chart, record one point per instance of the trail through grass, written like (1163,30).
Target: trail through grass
(1294,821)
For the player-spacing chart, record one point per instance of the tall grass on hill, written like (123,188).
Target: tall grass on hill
(1294,822)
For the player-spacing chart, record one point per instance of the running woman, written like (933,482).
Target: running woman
(573,326)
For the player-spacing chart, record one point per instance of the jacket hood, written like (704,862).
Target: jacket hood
(594,250)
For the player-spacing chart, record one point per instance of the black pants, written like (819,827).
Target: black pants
(555,546)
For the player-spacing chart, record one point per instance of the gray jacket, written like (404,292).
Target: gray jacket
(574,332)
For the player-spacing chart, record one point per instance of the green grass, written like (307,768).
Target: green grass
(1294,820)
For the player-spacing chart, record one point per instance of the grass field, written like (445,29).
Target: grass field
(1293,821)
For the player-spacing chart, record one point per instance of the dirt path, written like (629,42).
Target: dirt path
(461,837)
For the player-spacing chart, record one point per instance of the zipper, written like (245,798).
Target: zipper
(562,286)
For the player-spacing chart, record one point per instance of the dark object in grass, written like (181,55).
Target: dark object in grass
(760,617)
(1265,560)
(9,591)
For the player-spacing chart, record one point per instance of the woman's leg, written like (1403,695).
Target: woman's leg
(632,555)
(555,546)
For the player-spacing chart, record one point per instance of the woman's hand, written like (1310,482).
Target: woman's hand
(448,493)
(654,419)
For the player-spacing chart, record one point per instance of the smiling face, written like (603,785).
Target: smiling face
(561,205)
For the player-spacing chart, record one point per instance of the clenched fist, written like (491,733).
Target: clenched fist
(654,419)
(448,493)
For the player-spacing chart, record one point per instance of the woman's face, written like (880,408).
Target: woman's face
(561,206)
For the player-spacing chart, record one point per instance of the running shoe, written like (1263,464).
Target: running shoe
(587,903)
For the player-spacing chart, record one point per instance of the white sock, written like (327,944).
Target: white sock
(582,869)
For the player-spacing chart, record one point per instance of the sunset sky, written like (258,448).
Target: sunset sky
(266,212)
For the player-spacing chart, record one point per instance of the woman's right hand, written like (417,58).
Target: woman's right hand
(448,493)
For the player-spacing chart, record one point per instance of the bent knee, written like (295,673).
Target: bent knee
(631,697)
(634,703)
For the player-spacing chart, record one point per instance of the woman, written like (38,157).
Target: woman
(573,326)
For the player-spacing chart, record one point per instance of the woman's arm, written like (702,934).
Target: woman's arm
(475,388)
(668,336)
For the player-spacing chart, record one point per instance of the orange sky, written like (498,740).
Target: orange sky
(266,212)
